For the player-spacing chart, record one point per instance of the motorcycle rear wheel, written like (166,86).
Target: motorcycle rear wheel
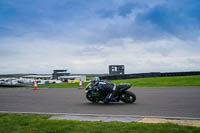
(128,97)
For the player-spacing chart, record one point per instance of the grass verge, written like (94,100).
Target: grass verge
(142,82)
(139,82)
(32,123)
(162,81)
(61,85)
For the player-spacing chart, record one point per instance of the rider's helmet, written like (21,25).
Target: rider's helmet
(97,79)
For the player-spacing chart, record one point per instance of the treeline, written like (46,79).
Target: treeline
(12,75)
(147,75)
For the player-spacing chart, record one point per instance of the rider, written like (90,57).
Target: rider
(109,87)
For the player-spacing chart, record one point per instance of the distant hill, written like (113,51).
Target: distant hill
(89,76)
(12,75)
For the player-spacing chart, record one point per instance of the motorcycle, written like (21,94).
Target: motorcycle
(95,95)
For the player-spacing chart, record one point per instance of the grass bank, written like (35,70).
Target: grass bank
(163,81)
(31,123)
(140,82)
(62,85)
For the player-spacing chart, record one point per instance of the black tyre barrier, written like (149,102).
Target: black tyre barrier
(146,75)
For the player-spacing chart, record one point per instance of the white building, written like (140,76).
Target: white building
(73,78)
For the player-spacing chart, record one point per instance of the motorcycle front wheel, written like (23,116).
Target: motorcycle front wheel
(91,98)
(128,97)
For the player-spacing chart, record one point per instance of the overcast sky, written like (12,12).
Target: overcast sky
(85,36)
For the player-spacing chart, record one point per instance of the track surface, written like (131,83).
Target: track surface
(151,101)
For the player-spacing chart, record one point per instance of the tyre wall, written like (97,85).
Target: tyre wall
(146,75)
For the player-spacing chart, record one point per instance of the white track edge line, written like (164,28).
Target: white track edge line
(103,115)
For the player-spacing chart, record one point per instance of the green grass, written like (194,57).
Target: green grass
(139,82)
(61,85)
(162,81)
(32,123)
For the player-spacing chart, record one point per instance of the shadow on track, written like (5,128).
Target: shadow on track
(109,104)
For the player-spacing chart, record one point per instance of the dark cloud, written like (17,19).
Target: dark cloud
(165,20)
(99,21)
(127,8)
(106,13)
(180,19)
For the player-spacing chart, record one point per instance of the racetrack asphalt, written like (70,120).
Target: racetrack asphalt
(151,101)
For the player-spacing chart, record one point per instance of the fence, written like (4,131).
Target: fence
(145,75)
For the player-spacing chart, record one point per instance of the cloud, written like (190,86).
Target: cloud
(100,21)
(144,21)
(171,21)
(137,56)
(85,37)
